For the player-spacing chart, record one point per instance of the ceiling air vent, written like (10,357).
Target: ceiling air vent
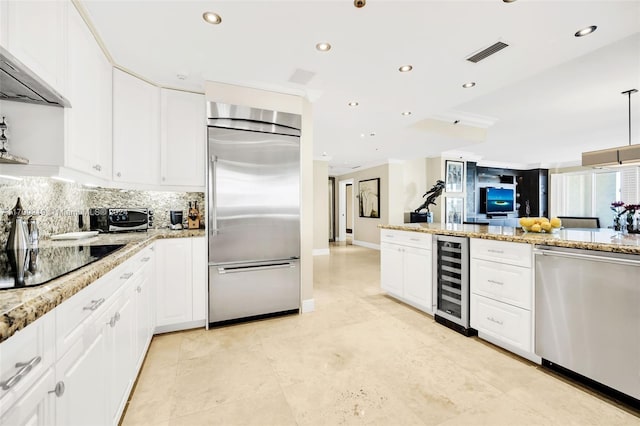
(485,53)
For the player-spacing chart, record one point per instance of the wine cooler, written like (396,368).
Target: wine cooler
(451,282)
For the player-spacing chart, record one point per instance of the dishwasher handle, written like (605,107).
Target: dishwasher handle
(590,257)
(236,269)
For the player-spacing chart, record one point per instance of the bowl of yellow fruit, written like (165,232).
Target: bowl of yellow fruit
(540,224)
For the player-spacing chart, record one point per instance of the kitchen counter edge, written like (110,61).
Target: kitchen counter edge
(578,239)
(21,307)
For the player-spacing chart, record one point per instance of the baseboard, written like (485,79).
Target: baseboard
(178,327)
(524,354)
(366,244)
(321,252)
(308,305)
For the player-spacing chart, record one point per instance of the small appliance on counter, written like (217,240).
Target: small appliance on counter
(175,218)
(120,219)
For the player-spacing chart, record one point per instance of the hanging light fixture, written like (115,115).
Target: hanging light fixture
(623,155)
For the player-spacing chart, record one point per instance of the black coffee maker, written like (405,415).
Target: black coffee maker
(175,218)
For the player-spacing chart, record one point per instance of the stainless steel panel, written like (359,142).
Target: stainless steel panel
(588,314)
(240,112)
(254,196)
(245,290)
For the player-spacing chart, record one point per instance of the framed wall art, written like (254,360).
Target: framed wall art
(369,198)
(453,209)
(454,176)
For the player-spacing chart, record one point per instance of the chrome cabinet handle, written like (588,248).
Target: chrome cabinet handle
(126,276)
(414,239)
(97,167)
(117,316)
(94,305)
(495,282)
(139,289)
(59,389)
(112,321)
(145,259)
(119,174)
(152,248)
(24,367)
(495,251)
(492,319)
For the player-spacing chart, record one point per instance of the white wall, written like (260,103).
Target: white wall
(238,95)
(320,205)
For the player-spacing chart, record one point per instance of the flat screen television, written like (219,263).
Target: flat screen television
(498,200)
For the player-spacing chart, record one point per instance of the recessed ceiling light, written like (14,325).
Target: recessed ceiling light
(469,85)
(585,31)
(405,68)
(212,18)
(362,135)
(323,47)
(353,104)
(406,112)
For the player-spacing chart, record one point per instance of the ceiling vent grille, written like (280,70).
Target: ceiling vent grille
(485,53)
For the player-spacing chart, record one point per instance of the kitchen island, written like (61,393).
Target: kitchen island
(568,299)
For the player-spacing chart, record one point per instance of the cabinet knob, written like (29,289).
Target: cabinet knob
(112,321)
(119,174)
(163,178)
(59,389)
(139,289)
(117,316)
(97,167)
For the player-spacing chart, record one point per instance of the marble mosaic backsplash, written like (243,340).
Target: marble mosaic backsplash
(56,205)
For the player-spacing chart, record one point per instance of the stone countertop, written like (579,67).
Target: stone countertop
(589,239)
(20,307)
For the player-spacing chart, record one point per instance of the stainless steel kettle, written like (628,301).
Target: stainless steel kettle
(17,239)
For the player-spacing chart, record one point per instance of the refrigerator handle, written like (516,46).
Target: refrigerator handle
(213,195)
(231,270)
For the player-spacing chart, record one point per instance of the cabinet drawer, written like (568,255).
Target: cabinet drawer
(502,282)
(504,322)
(517,254)
(407,238)
(25,356)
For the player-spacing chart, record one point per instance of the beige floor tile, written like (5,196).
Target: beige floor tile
(265,410)
(361,358)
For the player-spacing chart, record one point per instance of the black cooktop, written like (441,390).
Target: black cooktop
(34,267)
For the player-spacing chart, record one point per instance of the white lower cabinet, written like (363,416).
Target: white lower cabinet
(181,288)
(405,267)
(501,287)
(35,406)
(77,364)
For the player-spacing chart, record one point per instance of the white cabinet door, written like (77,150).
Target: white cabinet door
(417,277)
(183,138)
(174,275)
(136,111)
(200,286)
(88,121)
(36,406)
(121,355)
(502,282)
(143,287)
(391,268)
(33,31)
(84,370)
(504,322)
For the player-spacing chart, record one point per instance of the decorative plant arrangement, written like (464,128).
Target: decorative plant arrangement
(624,218)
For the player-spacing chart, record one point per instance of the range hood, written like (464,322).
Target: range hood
(19,83)
(623,155)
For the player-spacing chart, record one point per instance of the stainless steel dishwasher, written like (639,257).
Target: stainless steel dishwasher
(588,316)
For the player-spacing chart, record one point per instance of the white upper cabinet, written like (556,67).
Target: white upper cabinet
(88,121)
(183,138)
(136,114)
(33,31)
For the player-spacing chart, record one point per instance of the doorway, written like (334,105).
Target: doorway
(343,201)
(349,209)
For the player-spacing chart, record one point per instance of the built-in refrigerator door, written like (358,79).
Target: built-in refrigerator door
(249,290)
(253,196)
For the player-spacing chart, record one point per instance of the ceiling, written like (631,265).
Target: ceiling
(539,102)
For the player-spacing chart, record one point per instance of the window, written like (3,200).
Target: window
(590,193)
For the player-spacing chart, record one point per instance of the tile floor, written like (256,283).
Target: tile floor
(360,358)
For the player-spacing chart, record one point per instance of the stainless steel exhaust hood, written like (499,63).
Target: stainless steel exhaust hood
(19,83)
(623,155)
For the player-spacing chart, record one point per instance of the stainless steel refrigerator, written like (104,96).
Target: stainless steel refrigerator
(253,195)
